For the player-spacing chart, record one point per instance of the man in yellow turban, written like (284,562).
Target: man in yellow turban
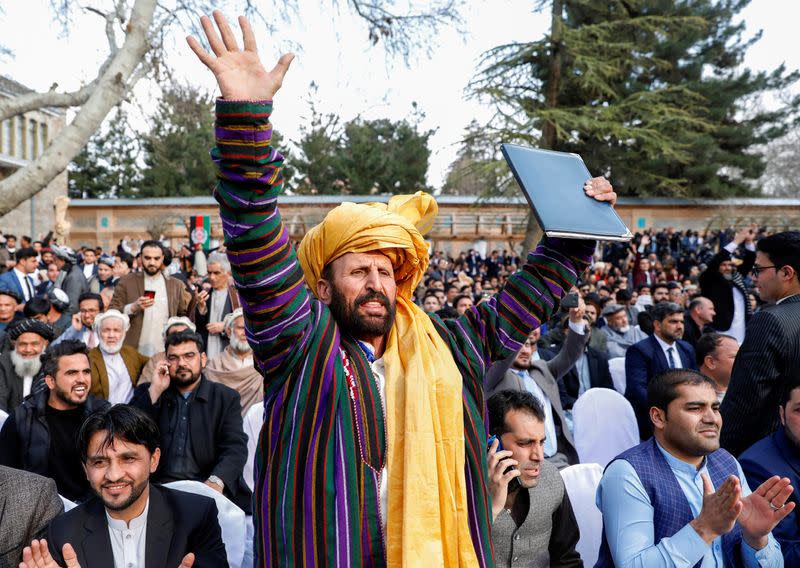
(373,449)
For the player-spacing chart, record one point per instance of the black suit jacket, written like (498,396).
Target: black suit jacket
(216,433)
(719,290)
(599,377)
(692,332)
(764,367)
(177,523)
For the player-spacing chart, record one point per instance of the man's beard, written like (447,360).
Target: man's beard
(110,349)
(151,271)
(727,275)
(240,346)
(185,382)
(357,326)
(136,492)
(26,367)
(620,329)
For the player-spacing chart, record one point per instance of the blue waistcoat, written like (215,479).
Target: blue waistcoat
(671,510)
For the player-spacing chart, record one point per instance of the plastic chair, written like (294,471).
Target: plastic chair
(253,421)
(231,518)
(581,481)
(617,368)
(3,416)
(604,426)
(68,505)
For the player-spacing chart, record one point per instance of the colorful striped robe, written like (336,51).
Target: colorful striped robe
(321,449)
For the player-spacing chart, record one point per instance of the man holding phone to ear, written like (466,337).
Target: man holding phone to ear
(149,298)
(533,522)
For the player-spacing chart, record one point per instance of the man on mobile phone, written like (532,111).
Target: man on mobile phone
(533,522)
(149,298)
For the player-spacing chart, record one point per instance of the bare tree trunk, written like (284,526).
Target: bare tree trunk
(116,78)
(533,232)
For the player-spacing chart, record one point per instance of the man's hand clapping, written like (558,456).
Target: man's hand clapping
(720,508)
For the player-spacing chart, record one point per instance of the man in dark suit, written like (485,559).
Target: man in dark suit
(590,371)
(723,283)
(131,522)
(28,502)
(771,349)
(20,368)
(779,454)
(527,371)
(202,436)
(697,319)
(19,279)
(662,351)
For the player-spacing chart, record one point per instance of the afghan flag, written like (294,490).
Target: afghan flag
(200,231)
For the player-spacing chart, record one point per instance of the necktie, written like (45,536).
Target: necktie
(671,358)
(30,287)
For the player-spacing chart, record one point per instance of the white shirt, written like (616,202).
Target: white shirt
(120,385)
(676,357)
(25,284)
(154,318)
(27,383)
(128,541)
(379,370)
(550,443)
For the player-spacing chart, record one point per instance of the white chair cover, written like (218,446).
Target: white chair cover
(3,416)
(617,367)
(253,421)
(231,518)
(581,481)
(68,505)
(604,426)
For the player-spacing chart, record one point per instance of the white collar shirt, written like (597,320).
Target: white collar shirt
(665,347)
(128,540)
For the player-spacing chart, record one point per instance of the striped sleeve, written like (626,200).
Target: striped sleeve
(496,329)
(264,264)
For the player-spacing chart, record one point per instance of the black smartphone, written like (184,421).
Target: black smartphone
(570,300)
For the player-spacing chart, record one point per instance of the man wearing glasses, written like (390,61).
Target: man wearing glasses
(200,421)
(770,354)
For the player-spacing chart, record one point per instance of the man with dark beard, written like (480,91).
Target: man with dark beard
(373,445)
(20,367)
(39,436)
(149,298)
(130,522)
(200,421)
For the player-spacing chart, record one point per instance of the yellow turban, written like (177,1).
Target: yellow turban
(427,496)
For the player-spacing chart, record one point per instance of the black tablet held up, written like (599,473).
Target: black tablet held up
(553,184)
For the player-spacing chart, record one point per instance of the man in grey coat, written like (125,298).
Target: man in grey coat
(621,334)
(28,502)
(529,371)
(71,279)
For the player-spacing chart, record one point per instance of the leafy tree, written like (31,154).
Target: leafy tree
(650,92)
(107,167)
(362,156)
(479,168)
(176,149)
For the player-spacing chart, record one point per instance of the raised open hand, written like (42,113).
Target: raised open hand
(239,73)
(764,508)
(37,555)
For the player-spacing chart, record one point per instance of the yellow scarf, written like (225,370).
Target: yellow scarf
(427,509)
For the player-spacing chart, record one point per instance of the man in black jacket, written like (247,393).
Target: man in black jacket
(131,522)
(40,435)
(202,437)
(20,368)
(722,282)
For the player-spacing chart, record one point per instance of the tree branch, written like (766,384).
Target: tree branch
(32,101)
(109,89)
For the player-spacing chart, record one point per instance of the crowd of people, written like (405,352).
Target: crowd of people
(414,408)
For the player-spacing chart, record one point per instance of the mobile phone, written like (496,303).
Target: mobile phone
(570,301)
(150,294)
(491,440)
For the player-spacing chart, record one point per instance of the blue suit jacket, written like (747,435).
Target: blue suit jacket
(643,361)
(776,455)
(9,281)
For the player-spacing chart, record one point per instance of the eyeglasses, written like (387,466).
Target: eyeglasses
(756,270)
(188,357)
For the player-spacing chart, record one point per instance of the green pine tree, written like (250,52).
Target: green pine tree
(649,92)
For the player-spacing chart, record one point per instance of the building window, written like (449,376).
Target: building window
(19,141)
(8,135)
(31,140)
(42,137)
